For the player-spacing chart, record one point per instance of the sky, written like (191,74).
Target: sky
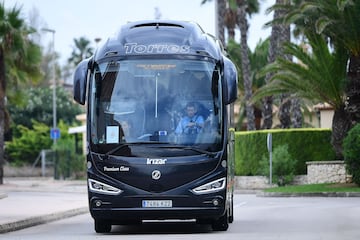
(72,19)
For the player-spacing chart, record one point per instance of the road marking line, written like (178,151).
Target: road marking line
(240,204)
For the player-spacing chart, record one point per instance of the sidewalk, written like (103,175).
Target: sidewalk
(26,202)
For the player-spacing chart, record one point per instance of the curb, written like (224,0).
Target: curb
(33,221)
(3,195)
(320,194)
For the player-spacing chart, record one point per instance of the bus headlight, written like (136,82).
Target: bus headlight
(99,187)
(211,187)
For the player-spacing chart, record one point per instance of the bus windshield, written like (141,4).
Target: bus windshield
(159,101)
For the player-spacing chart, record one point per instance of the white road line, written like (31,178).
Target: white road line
(240,204)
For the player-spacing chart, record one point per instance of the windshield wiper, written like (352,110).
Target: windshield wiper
(123,145)
(115,149)
(184,147)
(195,149)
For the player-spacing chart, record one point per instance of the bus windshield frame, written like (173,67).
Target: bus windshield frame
(143,102)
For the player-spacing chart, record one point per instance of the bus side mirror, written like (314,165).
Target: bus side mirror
(231,81)
(80,79)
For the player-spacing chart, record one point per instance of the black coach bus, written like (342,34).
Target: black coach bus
(158,140)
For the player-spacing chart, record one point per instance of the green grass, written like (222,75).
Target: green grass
(316,188)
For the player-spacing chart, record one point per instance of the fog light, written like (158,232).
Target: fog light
(98,203)
(89,165)
(215,202)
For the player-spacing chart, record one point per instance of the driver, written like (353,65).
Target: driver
(192,123)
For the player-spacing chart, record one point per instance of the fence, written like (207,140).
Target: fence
(60,161)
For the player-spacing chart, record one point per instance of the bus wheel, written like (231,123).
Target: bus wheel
(222,224)
(102,226)
(231,215)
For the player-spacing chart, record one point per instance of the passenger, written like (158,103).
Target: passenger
(127,133)
(192,123)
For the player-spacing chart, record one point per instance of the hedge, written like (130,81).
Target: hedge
(351,152)
(306,144)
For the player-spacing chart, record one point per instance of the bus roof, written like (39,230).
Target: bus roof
(160,37)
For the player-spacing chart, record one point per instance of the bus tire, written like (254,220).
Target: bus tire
(102,226)
(231,215)
(221,224)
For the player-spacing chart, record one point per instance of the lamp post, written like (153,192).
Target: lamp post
(97,40)
(54,132)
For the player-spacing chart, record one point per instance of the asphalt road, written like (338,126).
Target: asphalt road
(255,218)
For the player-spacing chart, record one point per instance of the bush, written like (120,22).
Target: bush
(25,147)
(69,164)
(351,151)
(283,165)
(250,146)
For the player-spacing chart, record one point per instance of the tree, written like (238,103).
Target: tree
(230,21)
(258,60)
(245,8)
(236,13)
(19,60)
(219,16)
(280,34)
(26,146)
(220,12)
(319,76)
(81,50)
(284,113)
(268,100)
(338,22)
(36,110)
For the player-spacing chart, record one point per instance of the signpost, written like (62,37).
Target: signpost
(269,147)
(54,133)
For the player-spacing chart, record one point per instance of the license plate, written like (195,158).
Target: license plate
(157,203)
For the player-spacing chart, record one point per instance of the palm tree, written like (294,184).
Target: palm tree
(284,37)
(19,60)
(245,8)
(258,60)
(236,13)
(319,76)
(338,22)
(230,19)
(220,12)
(273,52)
(280,34)
(220,15)
(81,50)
